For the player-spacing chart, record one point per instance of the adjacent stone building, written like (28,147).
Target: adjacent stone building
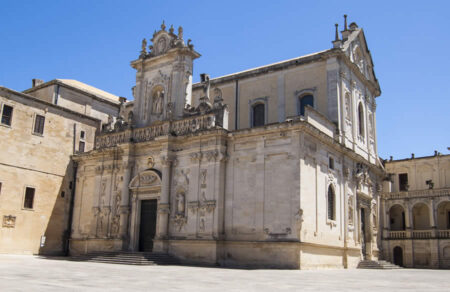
(39,134)
(274,166)
(416,212)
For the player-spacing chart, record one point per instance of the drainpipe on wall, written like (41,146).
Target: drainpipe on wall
(236,111)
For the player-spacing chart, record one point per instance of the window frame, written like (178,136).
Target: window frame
(79,146)
(299,94)
(1,115)
(299,103)
(361,122)
(254,102)
(333,217)
(33,128)
(24,198)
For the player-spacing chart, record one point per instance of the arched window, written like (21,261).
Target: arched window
(331,203)
(304,101)
(361,119)
(258,115)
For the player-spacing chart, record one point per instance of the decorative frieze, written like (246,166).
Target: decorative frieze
(180,127)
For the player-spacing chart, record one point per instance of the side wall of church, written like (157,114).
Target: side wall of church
(279,91)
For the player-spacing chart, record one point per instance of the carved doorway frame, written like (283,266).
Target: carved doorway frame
(144,186)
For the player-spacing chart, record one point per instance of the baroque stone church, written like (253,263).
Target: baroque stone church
(274,166)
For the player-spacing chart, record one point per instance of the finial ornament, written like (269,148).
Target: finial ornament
(336,37)
(180,32)
(345,22)
(144,47)
(163,26)
(171,28)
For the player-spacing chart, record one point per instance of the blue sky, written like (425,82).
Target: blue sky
(94,42)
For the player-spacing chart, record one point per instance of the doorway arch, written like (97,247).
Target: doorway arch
(398,256)
(145,193)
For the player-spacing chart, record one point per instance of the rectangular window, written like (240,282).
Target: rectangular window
(82,135)
(7,115)
(29,198)
(403,181)
(39,122)
(331,162)
(81,146)
(0,188)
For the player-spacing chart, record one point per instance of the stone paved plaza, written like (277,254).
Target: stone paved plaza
(27,273)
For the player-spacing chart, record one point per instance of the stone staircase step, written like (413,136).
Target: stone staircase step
(128,258)
(368,264)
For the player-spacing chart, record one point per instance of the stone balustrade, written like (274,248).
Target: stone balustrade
(417,194)
(422,234)
(443,233)
(178,128)
(397,234)
(419,234)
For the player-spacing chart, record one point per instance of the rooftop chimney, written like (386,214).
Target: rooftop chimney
(36,82)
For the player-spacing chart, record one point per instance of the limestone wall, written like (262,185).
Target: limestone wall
(41,162)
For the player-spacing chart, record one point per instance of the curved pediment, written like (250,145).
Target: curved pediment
(146,179)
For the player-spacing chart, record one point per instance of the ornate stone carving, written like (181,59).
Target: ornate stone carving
(158,100)
(374,211)
(350,209)
(148,178)
(9,221)
(211,155)
(203,174)
(150,162)
(361,175)
(196,157)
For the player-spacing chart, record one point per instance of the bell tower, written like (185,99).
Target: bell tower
(163,77)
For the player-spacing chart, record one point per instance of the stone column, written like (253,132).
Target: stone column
(164,205)
(433,213)
(408,220)
(124,204)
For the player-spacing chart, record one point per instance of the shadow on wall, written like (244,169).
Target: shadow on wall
(55,238)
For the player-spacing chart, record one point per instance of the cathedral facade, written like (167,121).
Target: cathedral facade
(274,166)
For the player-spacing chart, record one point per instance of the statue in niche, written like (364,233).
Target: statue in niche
(347,106)
(161,45)
(158,99)
(115,225)
(350,210)
(180,204)
(374,215)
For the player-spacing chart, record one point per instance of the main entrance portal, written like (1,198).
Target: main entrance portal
(147,227)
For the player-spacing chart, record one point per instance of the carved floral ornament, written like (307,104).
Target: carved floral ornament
(209,156)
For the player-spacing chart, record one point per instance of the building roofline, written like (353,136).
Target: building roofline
(57,107)
(64,84)
(271,67)
(440,155)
